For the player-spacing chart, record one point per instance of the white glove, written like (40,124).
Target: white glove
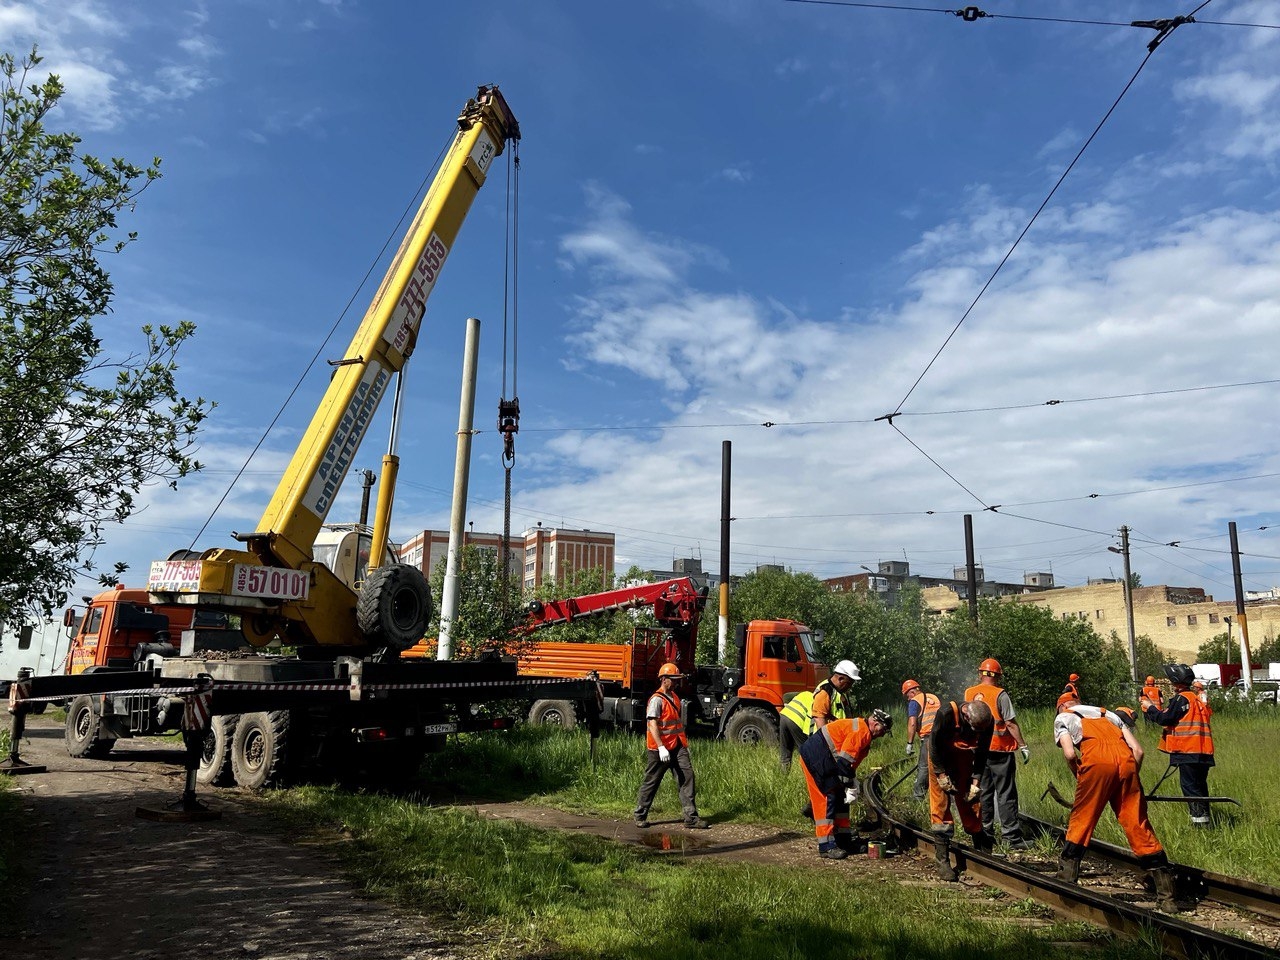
(911,748)
(664,754)
(972,795)
(945,784)
(1026,753)
(851,795)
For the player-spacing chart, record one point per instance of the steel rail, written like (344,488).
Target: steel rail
(1192,881)
(1178,938)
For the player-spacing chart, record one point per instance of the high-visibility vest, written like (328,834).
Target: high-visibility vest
(670,723)
(1001,739)
(839,705)
(929,705)
(1153,694)
(798,711)
(1191,734)
(848,739)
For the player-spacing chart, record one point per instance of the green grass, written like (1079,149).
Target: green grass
(532,892)
(745,784)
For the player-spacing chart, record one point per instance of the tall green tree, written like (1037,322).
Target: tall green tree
(489,603)
(82,429)
(1037,651)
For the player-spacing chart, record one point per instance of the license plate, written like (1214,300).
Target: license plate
(431,728)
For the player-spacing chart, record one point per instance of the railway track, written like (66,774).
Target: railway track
(1114,897)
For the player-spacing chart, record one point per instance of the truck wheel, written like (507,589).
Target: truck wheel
(215,759)
(259,749)
(84,729)
(752,725)
(554,713)
(394,606)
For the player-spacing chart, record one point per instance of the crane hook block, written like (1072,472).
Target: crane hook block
(509,426)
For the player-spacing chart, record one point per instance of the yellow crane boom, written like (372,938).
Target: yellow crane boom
(274,581)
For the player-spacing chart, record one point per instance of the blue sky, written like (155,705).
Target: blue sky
(730,214)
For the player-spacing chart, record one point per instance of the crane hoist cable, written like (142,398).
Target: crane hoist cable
(509,409)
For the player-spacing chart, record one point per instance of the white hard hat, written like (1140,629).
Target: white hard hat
(848,668)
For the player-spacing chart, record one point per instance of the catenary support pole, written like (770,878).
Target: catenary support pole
(1242,618)
(461,474)
(971,572)
(1128,604)
(722,633)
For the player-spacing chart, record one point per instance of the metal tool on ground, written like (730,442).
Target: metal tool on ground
(1152,798)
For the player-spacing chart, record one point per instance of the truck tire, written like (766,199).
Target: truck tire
(554,713)
(215,759)
(84,730)
(394,606)
(260,749)
(752,725)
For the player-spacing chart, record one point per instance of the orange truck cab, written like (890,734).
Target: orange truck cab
(120,621)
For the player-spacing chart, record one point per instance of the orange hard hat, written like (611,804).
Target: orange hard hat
(1073,678)
(1065,699)
(908,685)
(991,666)
(669,670)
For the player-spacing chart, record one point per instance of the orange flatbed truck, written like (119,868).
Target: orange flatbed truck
(774,658)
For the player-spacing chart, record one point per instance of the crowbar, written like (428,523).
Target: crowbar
(1052,791)
(1152,798)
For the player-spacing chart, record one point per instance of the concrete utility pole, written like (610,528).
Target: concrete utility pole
(461,475)
(722,633)
(1242,618)
(1123,550)
(971,572)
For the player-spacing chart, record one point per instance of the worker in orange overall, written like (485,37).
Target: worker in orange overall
(1151,692)
(1106,759)
(1000,782)
(1187,738)
(958,751)
(921,709)
(668,749)
(830,759)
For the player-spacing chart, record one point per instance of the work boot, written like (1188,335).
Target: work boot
(942,854)
(807,811)
(1166,890)
(831,851)
(983,842)
(1069,869)
(697,823)
(851,844)
(642,820)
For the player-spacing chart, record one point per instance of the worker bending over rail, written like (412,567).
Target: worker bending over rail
(830,758)
(1106,758)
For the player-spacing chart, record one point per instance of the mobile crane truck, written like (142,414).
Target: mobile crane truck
(345,700)
(774,658)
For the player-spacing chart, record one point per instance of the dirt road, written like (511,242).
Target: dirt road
(108,885)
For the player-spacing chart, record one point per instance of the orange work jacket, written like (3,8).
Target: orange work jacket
(929,705)
(670,724)
(1191,734)
(1001,739)
(848,739)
